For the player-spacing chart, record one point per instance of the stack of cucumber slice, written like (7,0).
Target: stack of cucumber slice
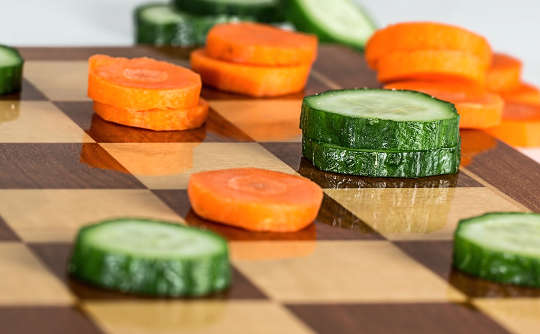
(11,67)
(380,133)
(187,22)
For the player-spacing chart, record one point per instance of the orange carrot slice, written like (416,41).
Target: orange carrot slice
(504,73)
(255,199)
(155,119)
(524,93)
(260,44)
(250,80)
(431,65)
(520,125)
(414,36)
(142,83)
(477,107)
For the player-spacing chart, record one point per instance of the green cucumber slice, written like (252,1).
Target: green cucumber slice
(380,119)
(11,68)
(501,246)
(151,258)
(381,163)
(261,10)
(160,24)
(336,21)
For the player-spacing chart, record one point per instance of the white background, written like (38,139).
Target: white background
(511,26)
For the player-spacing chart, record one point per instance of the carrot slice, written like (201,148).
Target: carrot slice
(155,119)
(520,125)
(504,73)
(413,36)
(255,199)
(477,107)
(260,44)
(524,93)
(250,80)
(142,83)
(431,65)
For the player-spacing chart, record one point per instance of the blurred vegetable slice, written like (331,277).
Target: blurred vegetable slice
(337,21)
(261,10)
(161,24)
(11,66)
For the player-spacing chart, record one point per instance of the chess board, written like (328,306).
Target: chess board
(376,260)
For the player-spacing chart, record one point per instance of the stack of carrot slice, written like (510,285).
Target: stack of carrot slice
(458,66)
(520,124)
(146,93)
(255,59)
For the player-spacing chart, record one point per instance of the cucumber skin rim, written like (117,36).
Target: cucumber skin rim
(304,22)
(474,260)
(100,275)
(11,76)
(388,170)
(397,125)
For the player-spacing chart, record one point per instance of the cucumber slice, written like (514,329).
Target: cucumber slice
(261,10)
(160,24)
(151,257)
(380,119)
(381,163)
(11,67)
(338,21)
(501,246)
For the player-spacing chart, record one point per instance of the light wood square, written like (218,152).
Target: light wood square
(56,215)
(197,317)
(519,315)
(25,281)
(264,120)
(37,122)
(59,80)
(419,213)
(348,271)
(169,165)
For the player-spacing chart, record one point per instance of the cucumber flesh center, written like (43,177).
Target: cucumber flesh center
(340,17)
(162,15)
(390,105)
(511,234)
(154,240)
(8,58)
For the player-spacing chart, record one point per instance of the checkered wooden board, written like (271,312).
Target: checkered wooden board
(377,259)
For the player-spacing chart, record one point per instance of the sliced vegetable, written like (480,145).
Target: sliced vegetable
(501,246)
(261,10)
(255,199)
(151,257)
(259,44)
(381,163)
(474,142)
(142,83)
(520,125)
(477,107)
(155,119)
(415,36)
(160,24)
(380,120)
(11,67)
(431,65)
(524,93)
(504,73)
(337,21)
(248,79)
